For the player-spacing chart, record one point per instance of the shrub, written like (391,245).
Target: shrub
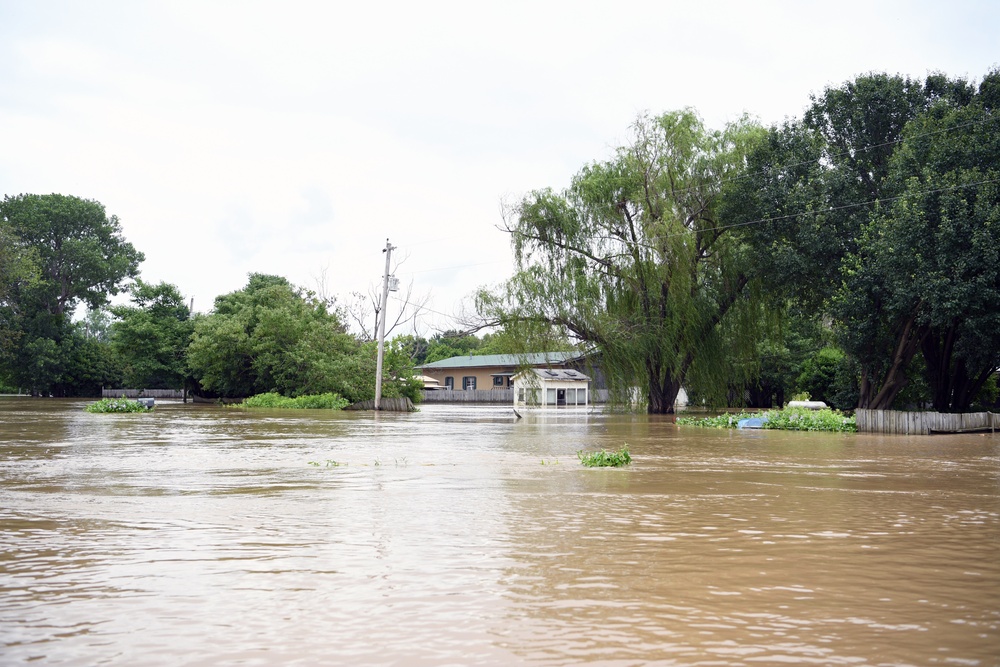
(787,419)
(117,405)
(328,401)
(605,459)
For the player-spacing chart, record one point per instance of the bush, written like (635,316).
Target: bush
(787,419)
(328,401)
(117,405)
(604,459)
(829,376)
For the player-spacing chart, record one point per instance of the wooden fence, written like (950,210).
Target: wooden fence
(923,423)
(148,393)
(497,396)
(386,405)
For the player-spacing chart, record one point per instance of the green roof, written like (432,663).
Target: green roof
(504,360)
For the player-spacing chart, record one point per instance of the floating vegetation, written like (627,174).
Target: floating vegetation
(329,401)
(786,419)
(605,459)
(330,463)
(117,405)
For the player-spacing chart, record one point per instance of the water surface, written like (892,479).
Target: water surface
(198,535)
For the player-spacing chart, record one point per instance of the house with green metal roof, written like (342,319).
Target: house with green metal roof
(491,372)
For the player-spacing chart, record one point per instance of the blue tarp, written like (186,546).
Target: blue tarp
(751,422)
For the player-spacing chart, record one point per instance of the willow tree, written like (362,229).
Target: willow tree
(633,261)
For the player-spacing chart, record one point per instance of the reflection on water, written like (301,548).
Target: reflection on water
(199,535)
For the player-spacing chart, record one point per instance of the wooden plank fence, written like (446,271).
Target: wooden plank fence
(495,396)
(894,422)
(385,405)
(148,393)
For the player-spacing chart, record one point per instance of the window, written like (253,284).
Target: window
(520,395)
(571,397)
(581,396)
(469,382)
(449,383)
(498,381)
(550,396)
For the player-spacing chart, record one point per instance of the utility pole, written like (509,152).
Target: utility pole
(381,325)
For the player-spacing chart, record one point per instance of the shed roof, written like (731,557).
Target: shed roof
(560,374)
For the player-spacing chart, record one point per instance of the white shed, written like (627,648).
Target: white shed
(551,388)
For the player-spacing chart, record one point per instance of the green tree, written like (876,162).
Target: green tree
(150,337)
(451,343)
(928,266)
(18,270)
(633,260)
(273,336)
(824,202)
(80,257)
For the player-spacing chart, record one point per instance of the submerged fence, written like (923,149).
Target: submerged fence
(922,423)
(386,404)
(501,396)
(147,393)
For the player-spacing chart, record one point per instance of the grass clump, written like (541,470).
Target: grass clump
(786,419)
(116,405)
(605,459)
(328,401)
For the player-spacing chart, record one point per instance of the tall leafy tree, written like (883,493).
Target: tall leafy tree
(273,336)
(80,257)
(81,254)
(150,337)
(824,202)
(926,276)
(633,261)
(17,270)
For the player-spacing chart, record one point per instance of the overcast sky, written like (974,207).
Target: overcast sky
(294,138)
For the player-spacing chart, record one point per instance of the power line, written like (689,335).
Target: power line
(829,209)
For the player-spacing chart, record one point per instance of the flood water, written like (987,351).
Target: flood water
(198,535)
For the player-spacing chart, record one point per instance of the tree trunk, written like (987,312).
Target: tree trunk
(662,396)
(953,387)
(880,396)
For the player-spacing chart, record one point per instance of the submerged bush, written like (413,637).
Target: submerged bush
(329,401)
(786,419)
(605,459)
(116,405)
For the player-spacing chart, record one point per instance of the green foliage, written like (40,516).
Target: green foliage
(328,401)
(605,459)
(450,344)
(880,209)
(116,405)
(631,260)
(269,336)
(988,398)
(829,376)
(274,337)
(67,252)
(79,250)
(150,337)
(18,272)
(786,419)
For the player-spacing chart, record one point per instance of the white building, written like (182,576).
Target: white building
(551,388)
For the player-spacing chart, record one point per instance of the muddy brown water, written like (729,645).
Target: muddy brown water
(199,535)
